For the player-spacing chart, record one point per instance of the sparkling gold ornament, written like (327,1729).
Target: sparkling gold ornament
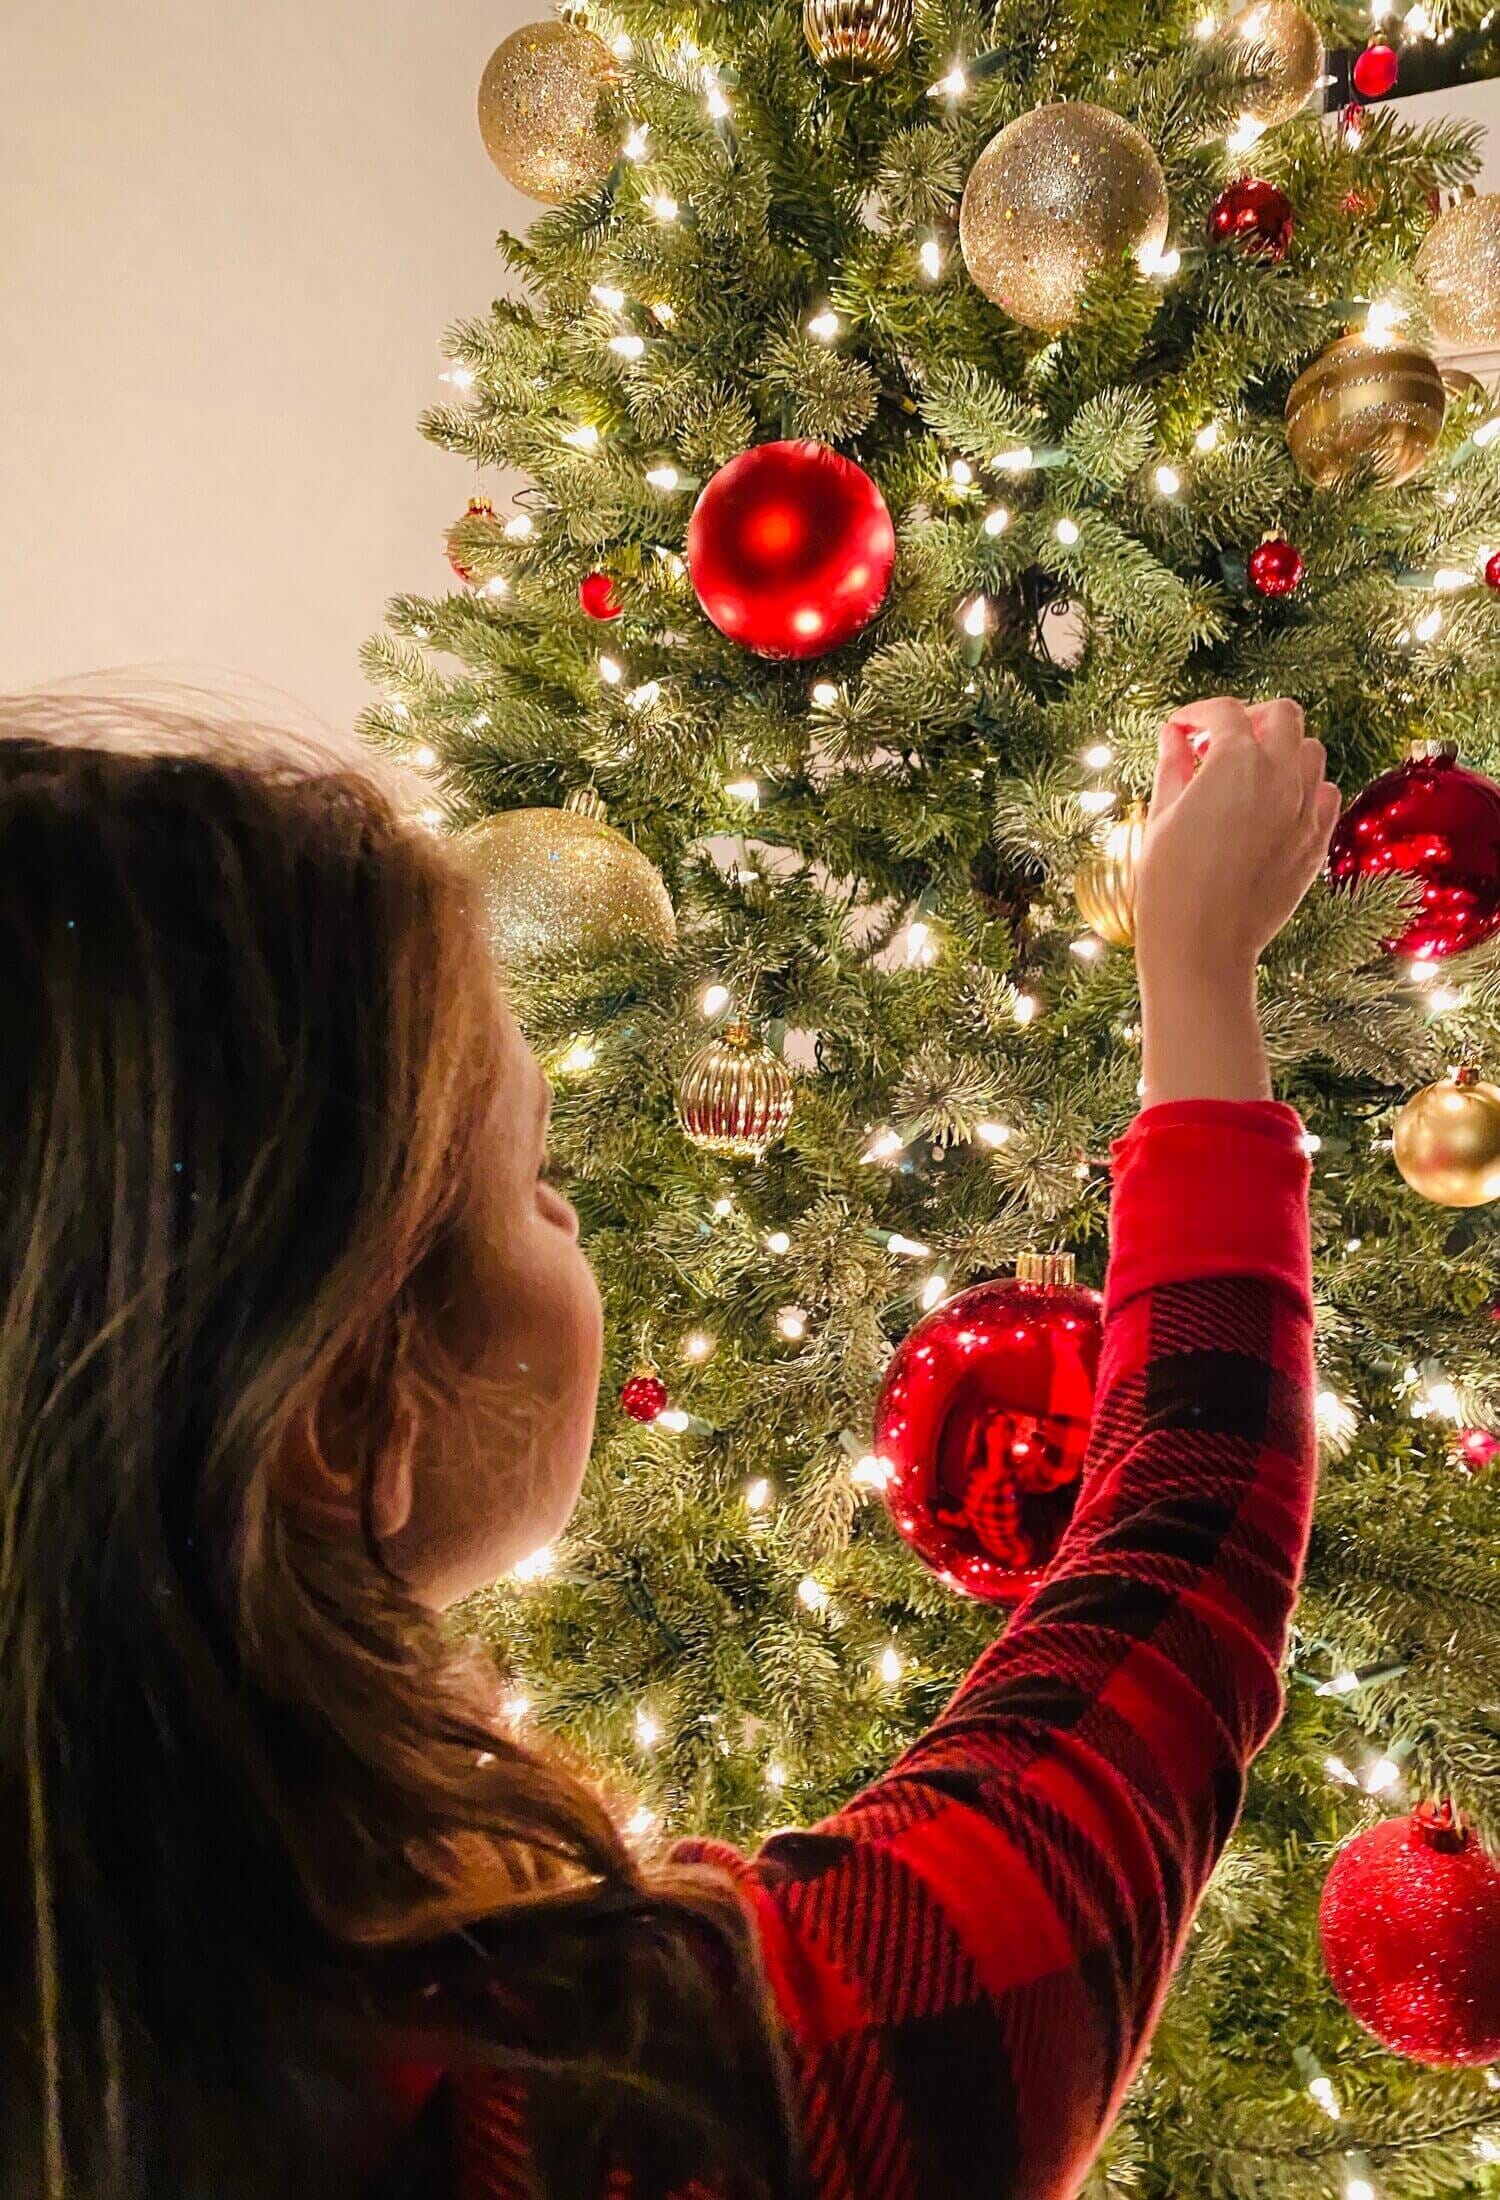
(1448,1141)
(857,38)
(1363,401)
(539,111)
(555,880)
(735,1096)
(1105,886)
(1459,270)
(1051,201)
(1284,46)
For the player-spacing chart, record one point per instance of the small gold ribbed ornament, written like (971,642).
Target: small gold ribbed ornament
(539,104)
(735,1096)
(857,38)
(1284,45)
(1361,401)
(1448,1141)
(1105,886)
(1051,201)
(1459,270)
(557,881)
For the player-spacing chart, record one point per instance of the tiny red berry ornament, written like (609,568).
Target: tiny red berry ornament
(791,550)
(1277,567)
(645,1397)
(1376,70)
(983,1422)
(1437,824)
(1255,216)
(599,596)
(1410,1930)
(1492,570)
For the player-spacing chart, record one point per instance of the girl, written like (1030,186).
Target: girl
(298,1346)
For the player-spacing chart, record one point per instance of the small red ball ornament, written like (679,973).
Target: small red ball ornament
(1435,823)
(983,1423)
(1410,1928)
(1475,1449)
(791,549)
(1492,570)
(599,596)
(1255,215)
(479,508)
(645,1397)
(1376,70)
(1277,567)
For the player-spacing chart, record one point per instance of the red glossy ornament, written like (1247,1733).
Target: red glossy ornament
(645,1397)
(1437,824)
(1277,567)
(1492,570)
(1410,1928)
(791,549)
(1255,215)
(479,508)
(1376,70)
(984,1421)
(599,596)
(1475,1449)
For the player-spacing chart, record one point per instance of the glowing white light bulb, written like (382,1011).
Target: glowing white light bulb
(716,103)
(1246,133)
(641,1823)
(1087,948)
(520,526)
(608,295)
(537,1567)
(515,1709)
(812,1594)
(642,697)
(664,206)
(1162,264)
(997,520)
(778,1242)
(431,817)
(399,709)
(723,1208)
(1026,1008)
(629,347)
(976,620)
(622,46)
(1099,757)
(1205,26)
(1019,461)
(426,757)
(1336,1769)
(908,1248)
(1208,436)
(994,1135)
(1382,320)
(714,1000)
(579,1059)
(758,1496)
(1449,579)
(961,474)
(648,1728)
(1067,532)
(498,586)
(1359,2188)
(423,633)
(825,694)
(870,1472)
(931,257)
(635,144)
(1168,480)
(825,325)
(585,437)
(1094,801)
(1419,23)
(1321,2090)
(674,1421)
(1429,626)
(890,1665)
(1311,1143)
(1342,1684)
(611,671)
(1336,1419)
(1486,432)
(698,1346)
(776,1776)
(884,1146)
(1441,1397)
(933,1292)
(743,790)
(951,86)
(665,478)
(791,1324)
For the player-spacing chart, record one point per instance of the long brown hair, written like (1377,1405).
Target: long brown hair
(259,1829)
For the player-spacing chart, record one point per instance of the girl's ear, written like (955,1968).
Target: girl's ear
(333,1443)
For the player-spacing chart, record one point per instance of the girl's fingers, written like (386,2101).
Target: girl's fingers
(1216,716)
(1279,727)
(1174,766)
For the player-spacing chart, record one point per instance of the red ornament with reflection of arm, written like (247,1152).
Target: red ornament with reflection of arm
(1438,825)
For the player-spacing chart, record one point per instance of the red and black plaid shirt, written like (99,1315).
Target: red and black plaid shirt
(969,1959)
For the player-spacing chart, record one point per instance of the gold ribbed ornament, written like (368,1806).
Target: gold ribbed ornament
(1360,402)
(1050,202)
(1459,270)
(1050,1271)
(735,1096)
(1283,44)
(1105,886)
(539,103)
(1448,1142)
(852,39)
(564,880)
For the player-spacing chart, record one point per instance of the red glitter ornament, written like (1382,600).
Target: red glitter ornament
(599,596)
(1492,570)
(479,508)
(1437,824)
(1376,70)
(1277,567)
(1475,1449)
(984,1421)
(1410,1927)
(645,1397)
(791,549)
(1255,215)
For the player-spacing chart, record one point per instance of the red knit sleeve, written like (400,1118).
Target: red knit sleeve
(971,1956)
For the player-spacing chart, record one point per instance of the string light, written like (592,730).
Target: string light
(997,520)
(674,1421)
(716,103)
(825,694)
(497,586)
(961,474)
(516,1709)
(870,1472)
(426,757)
(1168,480)
(931,258)
(431,817)
(778,1242)
(665,478)
(1026,1008)
(628,347)
(812,1594)
(1019,461)
(1208,436)
(1429,626)
(933,1293)
(699,1346)
(1321,2091)
(921,946)
(976,619)
(1382,321)
(1359,2188)
(1099,757)
(1161,264)
(826,325)
(1336,1769)
(1382,1775)
(884,1146)
(1094,801)
(951,86)
(890,1665)
(907,1248)
(1341,1684)
(1246,134)
(642,697)
(791,1324)
(713,1000)
(580,1058)
(664,311)
(398,708)
(1486,432)
(520,526)
(611,671)
(758,1496)
(1205,26)
(1311,1143)
(1418,24)
(1087,948)
(648,1728)
(723,1208)
(635,144)
(609,296)
(585,437)
(641,1823)
(743,790)
(622,46)
(1067,532)
(994,1135)
(536,1567)
(1336,1418)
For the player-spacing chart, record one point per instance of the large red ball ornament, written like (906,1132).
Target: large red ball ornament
(1435,823)
(791,549)
(599,597)
(1255,215)
(983,1424)
(1376,70)
(1277,567)
(1410,1927)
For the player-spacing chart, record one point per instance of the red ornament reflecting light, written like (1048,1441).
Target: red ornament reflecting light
(1437,824)
(1254,215)
(791,549)
(1492,569)
(1376,70)
(984,1422)
(1277,568)
(645,1398)
(599,596)
(1476,1449)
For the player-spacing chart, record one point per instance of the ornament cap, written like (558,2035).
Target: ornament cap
(1425,751)
(480,508)
(587,802)
(1051,1271)
(1438,1826)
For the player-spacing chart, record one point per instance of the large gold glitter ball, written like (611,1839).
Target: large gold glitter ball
(1459,270)
(857,38)
(1051,201)
(1105,887)
(539,103)
(1361,402)
(735,1097)
(556,881)
(1448,1141)
(1284,46)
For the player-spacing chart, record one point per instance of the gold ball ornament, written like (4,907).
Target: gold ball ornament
(735,1097)
(853,39)
(1459,270)
(1361,402)
(1053,199)
(1105,887)
(1283,44)
(564,880)
(1448,1141)
(539,111)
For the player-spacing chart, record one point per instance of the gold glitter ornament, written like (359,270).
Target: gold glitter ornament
(1106,884)
(1448,1142)
(857,38)
(539,111)
(1459,270)
(735,1097)
(1053,199)
(1360,401)
(1285,47)
(564,880)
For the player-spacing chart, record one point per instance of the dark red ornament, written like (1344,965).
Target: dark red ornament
(1255,215)
(984,1421)
(599,596)
(1376,70)
(791,549)
(1410,1927)
(1492,570)
(1276,567)
(1437,824)
(479,508)
(1476,1449)
(645,1397)
(1352,125)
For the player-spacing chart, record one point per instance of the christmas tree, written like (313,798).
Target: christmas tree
(1123,349)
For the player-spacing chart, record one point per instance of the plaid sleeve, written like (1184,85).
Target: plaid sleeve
(971,1956)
